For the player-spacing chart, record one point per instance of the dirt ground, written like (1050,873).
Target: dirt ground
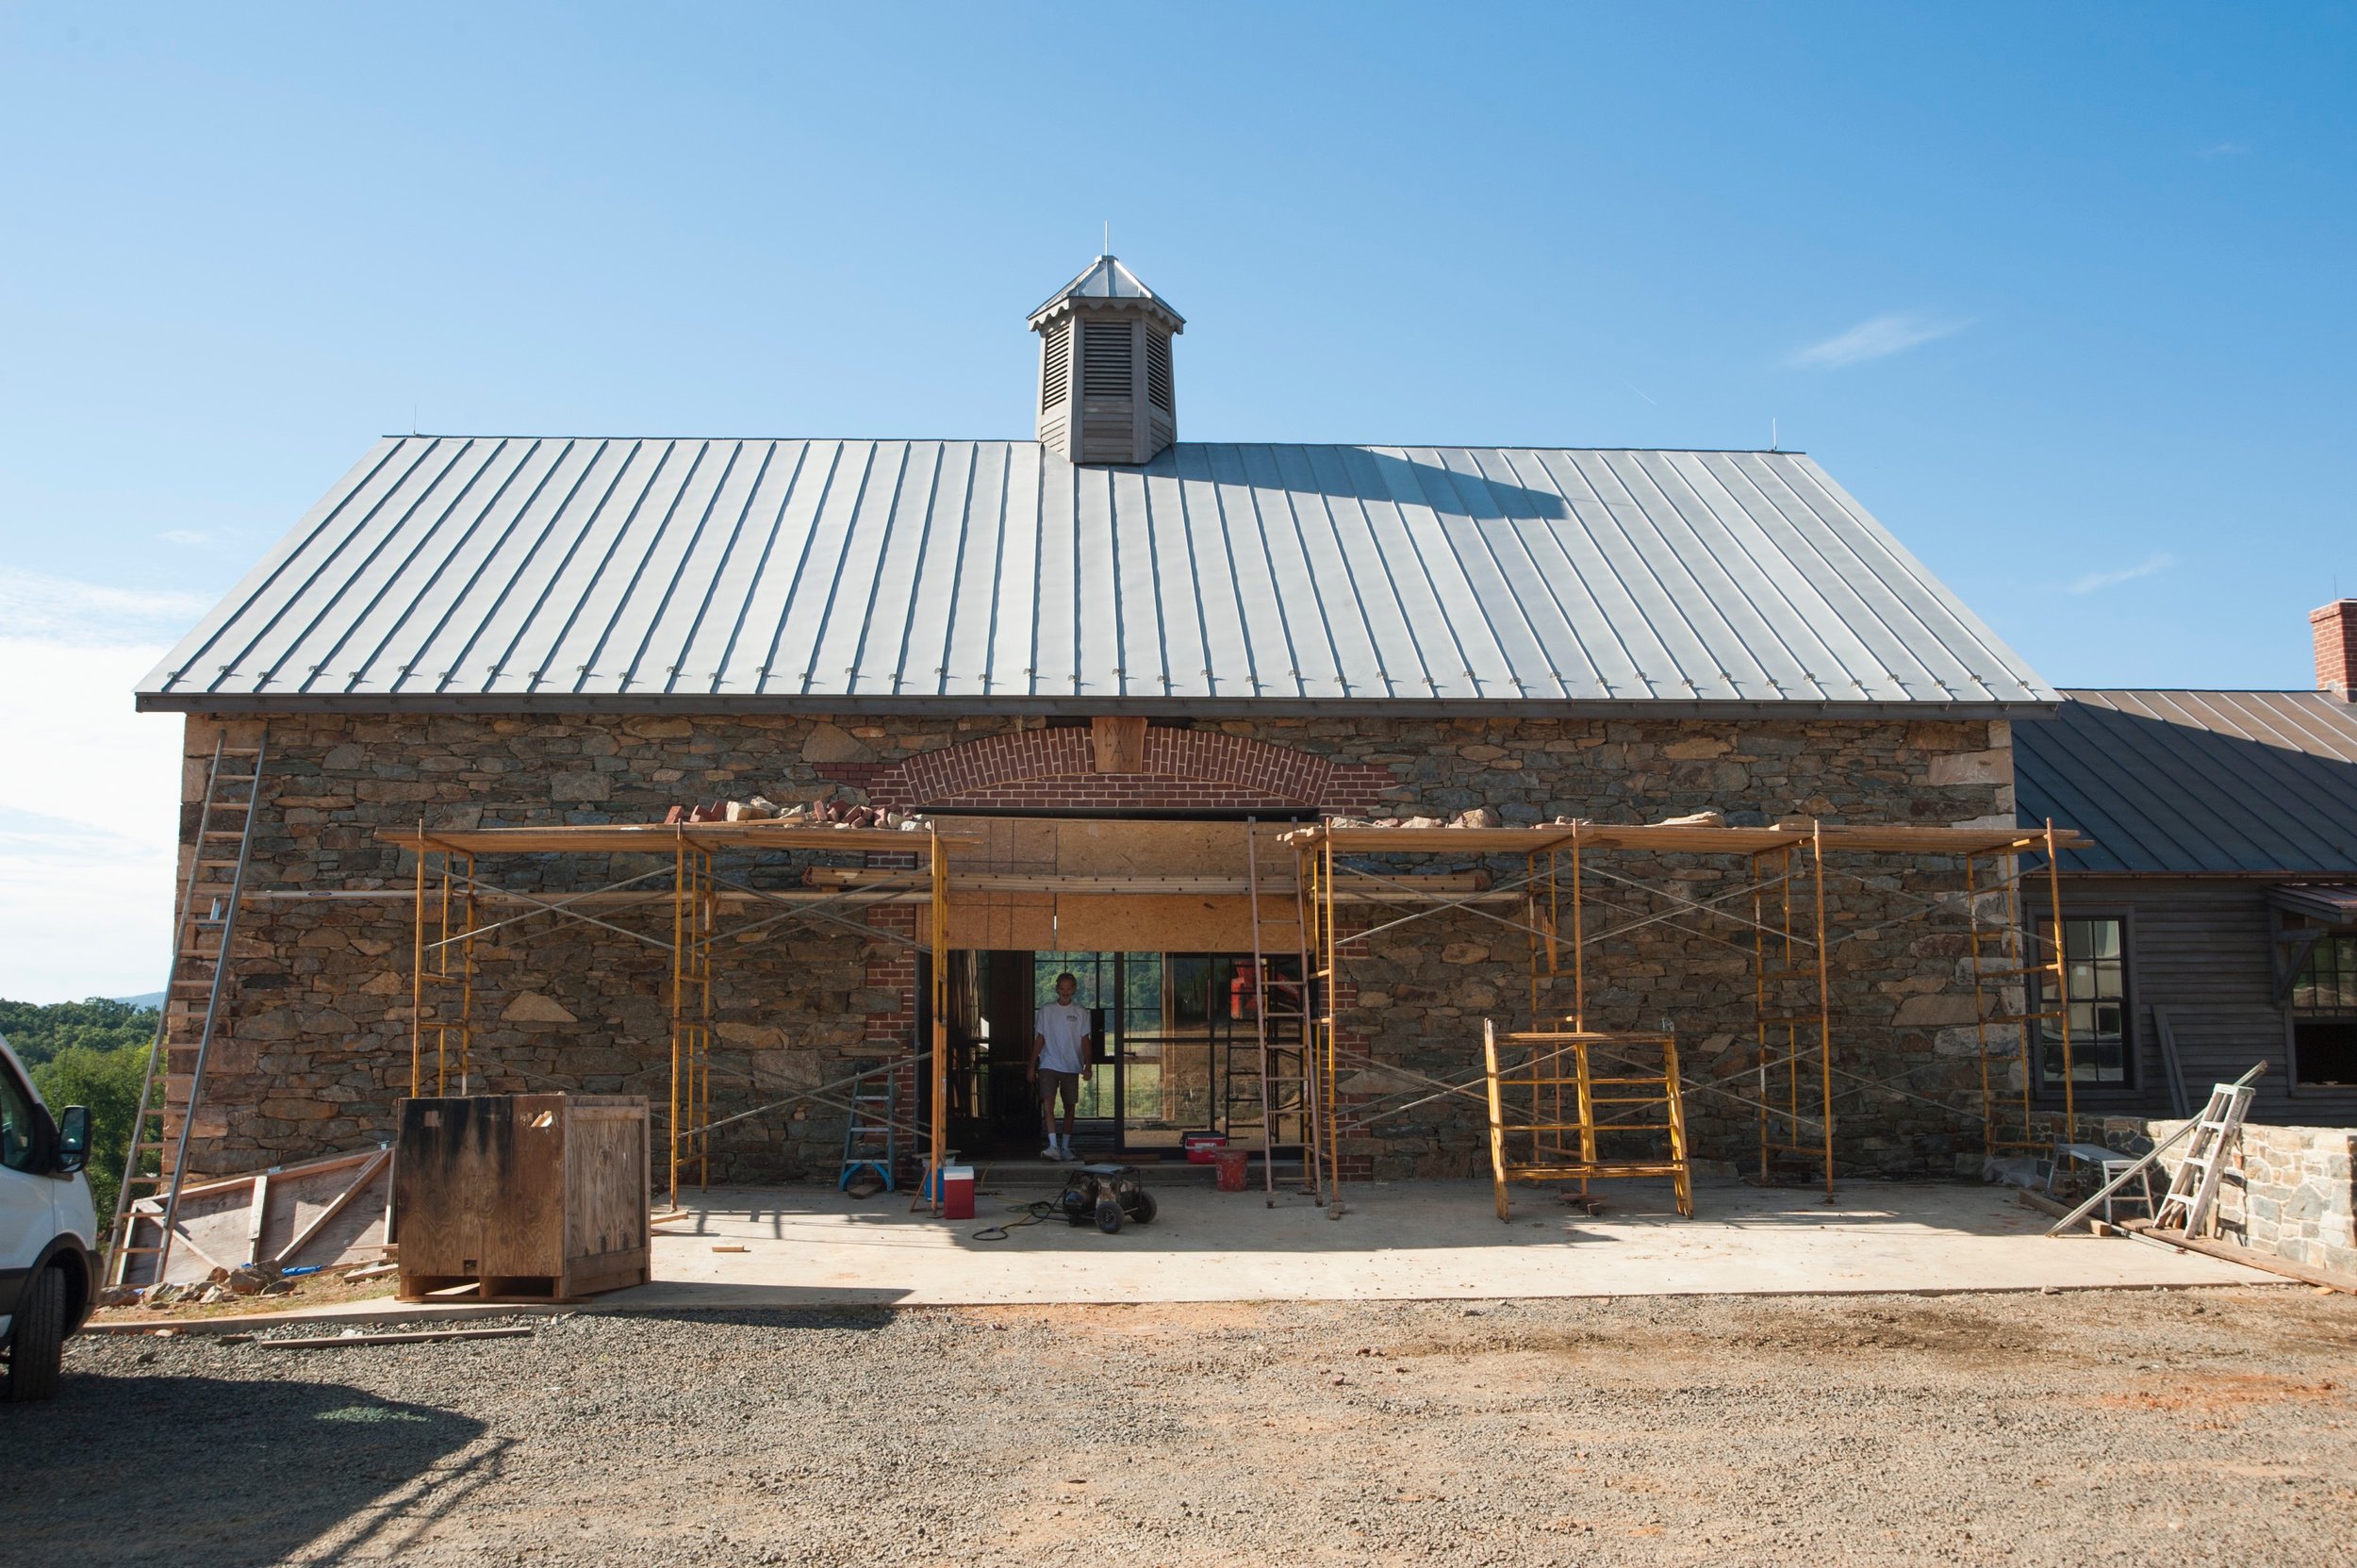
(2193,1427)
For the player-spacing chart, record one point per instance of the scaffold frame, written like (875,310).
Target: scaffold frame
(1793,1071)
(450,891)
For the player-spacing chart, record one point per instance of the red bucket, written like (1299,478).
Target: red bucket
(1229,1168)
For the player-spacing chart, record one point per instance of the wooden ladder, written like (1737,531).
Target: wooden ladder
(2193,1190)
(191,1018)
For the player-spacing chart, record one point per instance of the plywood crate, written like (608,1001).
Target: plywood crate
(529,1197)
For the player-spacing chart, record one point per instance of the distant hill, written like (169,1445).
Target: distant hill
(145,999)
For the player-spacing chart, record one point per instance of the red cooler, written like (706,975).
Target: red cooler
(957,1192)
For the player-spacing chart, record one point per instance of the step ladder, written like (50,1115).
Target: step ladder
(197,983)
(871,1140)
(2193,1190)
(1267,1076)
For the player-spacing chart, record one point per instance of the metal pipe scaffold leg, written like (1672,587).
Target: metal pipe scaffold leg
(936,863)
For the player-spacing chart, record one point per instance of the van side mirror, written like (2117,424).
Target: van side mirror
(72,1141)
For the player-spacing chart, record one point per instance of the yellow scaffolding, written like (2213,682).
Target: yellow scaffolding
(1639,1077)
(2004,974)
(452,893)
(1794,1066)
(436,896)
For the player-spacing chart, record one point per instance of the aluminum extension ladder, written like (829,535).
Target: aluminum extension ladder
(198,981)
(2193,1190)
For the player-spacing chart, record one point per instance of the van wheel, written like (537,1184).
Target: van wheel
(37,1346)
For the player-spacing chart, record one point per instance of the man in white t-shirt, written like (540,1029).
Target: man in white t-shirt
(1060,1060)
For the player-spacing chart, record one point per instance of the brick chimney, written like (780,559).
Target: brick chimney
(2337,648)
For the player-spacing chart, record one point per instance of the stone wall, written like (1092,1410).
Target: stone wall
(2290,1190)
(320,1033)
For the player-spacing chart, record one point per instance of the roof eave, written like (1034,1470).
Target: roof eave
(1233,707)
(1068,305)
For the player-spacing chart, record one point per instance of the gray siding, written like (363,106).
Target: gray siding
(2200,947)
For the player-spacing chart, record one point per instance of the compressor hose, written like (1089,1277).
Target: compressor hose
(1033,1213)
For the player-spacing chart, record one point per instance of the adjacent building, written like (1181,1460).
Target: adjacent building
(2212,922)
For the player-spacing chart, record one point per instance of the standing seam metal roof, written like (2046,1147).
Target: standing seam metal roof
(2196,782)
(544,572)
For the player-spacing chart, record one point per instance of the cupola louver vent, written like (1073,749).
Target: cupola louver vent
(1157,370)
(1105,362)
(1056,366)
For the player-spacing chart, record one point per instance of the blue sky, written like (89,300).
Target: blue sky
(2061,294)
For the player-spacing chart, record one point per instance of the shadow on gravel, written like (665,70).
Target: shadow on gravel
(141,1470)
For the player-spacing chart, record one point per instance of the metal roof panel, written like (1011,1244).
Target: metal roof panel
(803,574)
(2196,782)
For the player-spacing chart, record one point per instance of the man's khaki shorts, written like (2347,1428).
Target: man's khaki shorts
(1052,1083)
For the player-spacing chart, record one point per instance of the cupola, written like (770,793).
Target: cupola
(1104,368)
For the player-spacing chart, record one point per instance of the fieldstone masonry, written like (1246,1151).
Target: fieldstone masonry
(319,1036)
(2290,1190)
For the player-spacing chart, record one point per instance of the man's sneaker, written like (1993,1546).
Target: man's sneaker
(1051,1152)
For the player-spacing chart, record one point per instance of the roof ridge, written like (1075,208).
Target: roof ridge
(1021,440)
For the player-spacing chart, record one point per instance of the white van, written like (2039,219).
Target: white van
(49,1232)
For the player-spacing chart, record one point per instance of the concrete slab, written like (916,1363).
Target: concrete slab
(1426,1240)
(809,1246)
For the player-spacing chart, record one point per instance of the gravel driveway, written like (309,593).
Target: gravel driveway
(2086,1427)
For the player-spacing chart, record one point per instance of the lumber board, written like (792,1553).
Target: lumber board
(1885,839)
(1446,885)
(415,1336)
(658,838)
(334,1206)
(259,1214)
(302,1167)
(2267,1262)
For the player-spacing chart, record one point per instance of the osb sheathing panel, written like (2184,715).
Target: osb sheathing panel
(1003,920)
(1162,922)
(1111,922)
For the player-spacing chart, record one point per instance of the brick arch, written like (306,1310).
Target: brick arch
(1056,769)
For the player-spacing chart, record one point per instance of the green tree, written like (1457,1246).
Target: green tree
(108,1082)
(38,1032)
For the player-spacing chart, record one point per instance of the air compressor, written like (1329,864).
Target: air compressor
(1106,1194)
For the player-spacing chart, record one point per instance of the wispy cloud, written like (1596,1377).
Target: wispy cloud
(184,535)
(1877,338)
(2094,581)
(81,614)
(2224,149)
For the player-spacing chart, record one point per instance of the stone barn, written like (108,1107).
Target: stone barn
(1111,671)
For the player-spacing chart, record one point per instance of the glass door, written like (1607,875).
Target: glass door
(1156,1076)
